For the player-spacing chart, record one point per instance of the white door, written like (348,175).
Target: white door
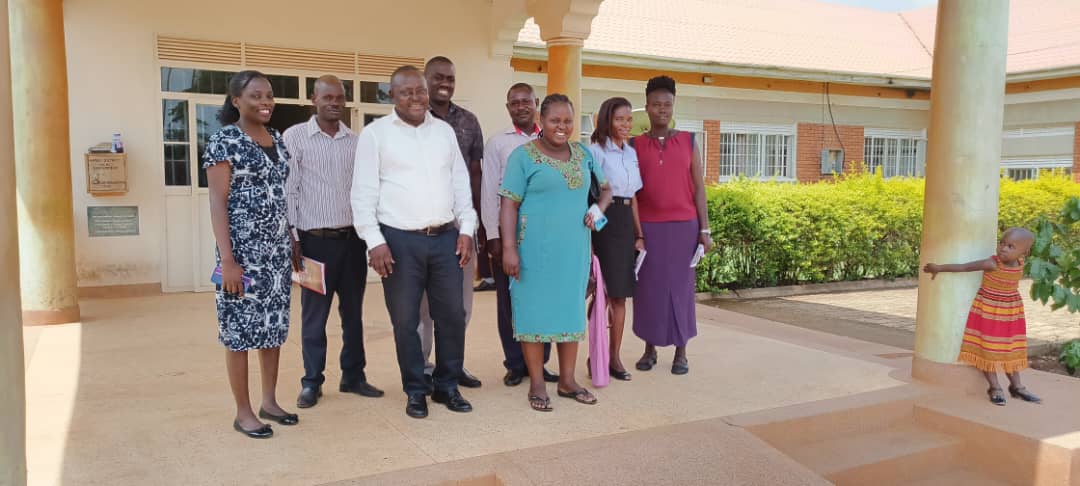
(189,120)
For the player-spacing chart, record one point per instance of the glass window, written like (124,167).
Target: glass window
(177,171)
(285,86)
(310,82)
(184,80)
(756,155)
(1019,170)
(207,124)
(894,157)
(370,117)
(174,122)
(174,118)
(204,81)
(374,92)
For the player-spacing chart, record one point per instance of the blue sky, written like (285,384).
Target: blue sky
(887,5)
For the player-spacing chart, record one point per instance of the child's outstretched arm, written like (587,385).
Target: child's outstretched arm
(984,265)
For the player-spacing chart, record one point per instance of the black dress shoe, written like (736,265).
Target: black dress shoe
(484,286)
(513,378)
(264,432)
(550,377)
(467,380)
(287,419)
(1024,394)
(309,397)
(362,389)
(453,401)
(416,407)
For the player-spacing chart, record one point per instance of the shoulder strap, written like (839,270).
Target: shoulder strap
(631,141)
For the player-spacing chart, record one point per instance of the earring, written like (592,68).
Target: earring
(541,134)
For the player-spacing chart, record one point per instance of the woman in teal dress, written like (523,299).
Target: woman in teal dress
(545,191)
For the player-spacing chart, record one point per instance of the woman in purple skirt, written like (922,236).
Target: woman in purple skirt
(674,221)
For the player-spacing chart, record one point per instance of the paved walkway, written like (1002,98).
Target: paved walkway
(137,395)
(893,311)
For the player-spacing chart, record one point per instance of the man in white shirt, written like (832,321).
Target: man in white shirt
(410,196)
(521,104)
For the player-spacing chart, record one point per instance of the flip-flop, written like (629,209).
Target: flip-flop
(581,396)
(540,404)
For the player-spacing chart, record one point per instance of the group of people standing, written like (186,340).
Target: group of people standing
(401,197)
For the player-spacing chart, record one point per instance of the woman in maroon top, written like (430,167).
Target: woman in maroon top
(674,221)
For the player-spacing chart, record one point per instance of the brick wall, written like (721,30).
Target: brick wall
(1076,153)
(712,151)
(815,137)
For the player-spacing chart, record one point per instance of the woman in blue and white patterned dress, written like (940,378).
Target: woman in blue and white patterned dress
(246,165)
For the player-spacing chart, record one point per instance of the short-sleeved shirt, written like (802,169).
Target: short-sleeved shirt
(620,165)
(467,129)
(257,183)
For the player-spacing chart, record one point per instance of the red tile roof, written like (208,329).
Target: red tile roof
(817,36)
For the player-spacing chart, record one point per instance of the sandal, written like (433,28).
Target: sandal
(540,404)
(1023,394)
(996,397)
(680,366)
(581,396)
(646,362)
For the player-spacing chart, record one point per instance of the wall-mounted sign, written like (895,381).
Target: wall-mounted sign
(106,173)
(112,220)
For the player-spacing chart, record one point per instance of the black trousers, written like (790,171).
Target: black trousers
(346,275)
(515,357)
(426,264)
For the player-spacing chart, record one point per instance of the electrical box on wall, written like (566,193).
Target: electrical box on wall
(832,161)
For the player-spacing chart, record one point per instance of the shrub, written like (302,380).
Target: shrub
(858,227)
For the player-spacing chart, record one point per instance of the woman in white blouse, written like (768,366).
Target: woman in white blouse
(618,243)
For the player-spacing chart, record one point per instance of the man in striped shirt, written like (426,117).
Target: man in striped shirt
(317,194)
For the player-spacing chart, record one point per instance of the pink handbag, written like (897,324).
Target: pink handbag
(599,352)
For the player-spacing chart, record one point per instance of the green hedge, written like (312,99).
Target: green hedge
(860,227)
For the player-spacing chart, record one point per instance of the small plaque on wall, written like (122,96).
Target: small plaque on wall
(112,220)
(106,173)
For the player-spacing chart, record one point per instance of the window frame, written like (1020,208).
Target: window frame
(760,131)
(917,142)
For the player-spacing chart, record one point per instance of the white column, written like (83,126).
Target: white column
(963,155)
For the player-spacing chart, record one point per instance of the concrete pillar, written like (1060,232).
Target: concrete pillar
(963,154)
(43,162)
(564,26)
(12,376)
(564,70)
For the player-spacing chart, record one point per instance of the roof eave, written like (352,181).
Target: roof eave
(536,52)
(1043,74)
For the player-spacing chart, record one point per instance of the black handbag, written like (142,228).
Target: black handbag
(594,189)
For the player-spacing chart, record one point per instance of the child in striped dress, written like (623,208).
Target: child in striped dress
(995,338)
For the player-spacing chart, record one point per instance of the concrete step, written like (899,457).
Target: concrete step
(789,428)
(961,477)
(899,454)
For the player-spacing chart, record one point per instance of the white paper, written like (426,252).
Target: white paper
(637,264)
(698,254)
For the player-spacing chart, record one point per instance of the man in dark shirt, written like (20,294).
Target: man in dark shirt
(441,80)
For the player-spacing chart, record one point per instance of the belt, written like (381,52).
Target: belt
(621,200)
(332,233)
(435,230)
